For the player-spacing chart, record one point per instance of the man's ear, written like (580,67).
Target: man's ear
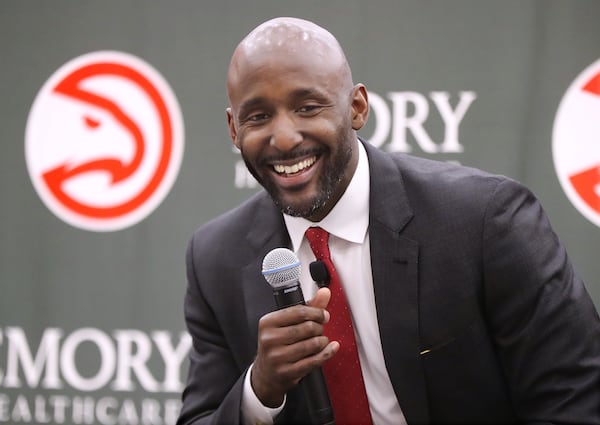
(232,129)
(360,106)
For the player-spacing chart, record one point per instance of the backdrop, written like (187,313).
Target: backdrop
(115,148)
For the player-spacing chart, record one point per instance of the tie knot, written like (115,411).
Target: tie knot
(318,239)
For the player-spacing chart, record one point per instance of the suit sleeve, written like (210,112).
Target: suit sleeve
(215,382)
(544,324)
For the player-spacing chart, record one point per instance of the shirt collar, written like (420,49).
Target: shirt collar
(349,218)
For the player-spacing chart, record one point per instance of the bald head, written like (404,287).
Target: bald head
(288,39)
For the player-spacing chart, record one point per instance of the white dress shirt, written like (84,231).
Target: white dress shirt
(348,224)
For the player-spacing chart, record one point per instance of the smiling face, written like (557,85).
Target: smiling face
(294,114)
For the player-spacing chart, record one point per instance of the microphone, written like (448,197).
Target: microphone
(319,273)
(281,269)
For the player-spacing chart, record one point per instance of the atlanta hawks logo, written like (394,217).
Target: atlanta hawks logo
(576,143)
(104,141)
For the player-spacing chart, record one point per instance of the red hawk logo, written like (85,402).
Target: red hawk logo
(104,141)
(576,143)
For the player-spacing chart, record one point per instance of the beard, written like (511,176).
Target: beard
(328,184)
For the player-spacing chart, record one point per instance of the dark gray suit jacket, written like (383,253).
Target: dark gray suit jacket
(482,317)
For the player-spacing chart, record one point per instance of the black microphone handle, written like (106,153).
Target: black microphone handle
(288,296)
(317,398)
(313,384)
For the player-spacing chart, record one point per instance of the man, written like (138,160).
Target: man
(464,304)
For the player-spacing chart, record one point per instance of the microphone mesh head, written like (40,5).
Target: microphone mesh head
(281,268)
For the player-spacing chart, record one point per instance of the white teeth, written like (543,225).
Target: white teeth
(292,169)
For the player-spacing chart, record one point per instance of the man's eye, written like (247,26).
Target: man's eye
(257,117)
(308,108)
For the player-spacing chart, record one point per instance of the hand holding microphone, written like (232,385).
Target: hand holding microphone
(291,345)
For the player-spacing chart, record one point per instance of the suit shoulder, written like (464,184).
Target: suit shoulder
(453,177)
(455,190)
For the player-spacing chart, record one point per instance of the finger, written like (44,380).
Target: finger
(292,316)
(296,370)
(287,335)
(291,353)
(321,298)
(276,371)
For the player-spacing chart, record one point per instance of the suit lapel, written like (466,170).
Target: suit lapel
(394,267)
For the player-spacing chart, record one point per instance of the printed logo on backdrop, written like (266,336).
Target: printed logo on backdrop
(576,143)
(90,376)
(404,123)
(104,141)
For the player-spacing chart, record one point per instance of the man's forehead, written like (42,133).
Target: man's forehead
(288,37)
(293,46)
(287,33)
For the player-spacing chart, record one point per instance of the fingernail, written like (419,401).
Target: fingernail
(326,316)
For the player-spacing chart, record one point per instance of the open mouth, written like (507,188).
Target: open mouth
(290,170)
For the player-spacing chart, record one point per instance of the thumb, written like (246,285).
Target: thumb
(321,298)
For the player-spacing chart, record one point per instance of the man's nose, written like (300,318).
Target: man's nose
(286,135)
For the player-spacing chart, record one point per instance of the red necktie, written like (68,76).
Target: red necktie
(342,373)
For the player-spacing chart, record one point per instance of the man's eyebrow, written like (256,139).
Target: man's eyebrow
(304,93)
